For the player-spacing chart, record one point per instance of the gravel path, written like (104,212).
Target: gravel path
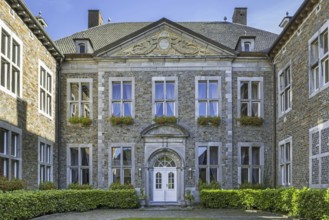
(111,214)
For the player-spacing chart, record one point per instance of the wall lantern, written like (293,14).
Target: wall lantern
(190,173)
(139,172)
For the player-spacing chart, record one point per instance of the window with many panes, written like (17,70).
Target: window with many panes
(79,164)
(122,96)
(45,90)
(121,163)
(285,159)
(45,161)
(10,152)
(250,96)
(207,96)
(11,61)
(319,60)
(250,163)
(79,97)
(285,93)
(208,162)
(164,96)
(319,156)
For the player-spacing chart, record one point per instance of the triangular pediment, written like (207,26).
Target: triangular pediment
(164,39)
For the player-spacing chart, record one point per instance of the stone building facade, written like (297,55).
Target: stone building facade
(97,117)
(28,78)
(300,56)
(166,69)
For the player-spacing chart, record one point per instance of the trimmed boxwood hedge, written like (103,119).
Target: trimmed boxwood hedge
(30,204)
(303,203)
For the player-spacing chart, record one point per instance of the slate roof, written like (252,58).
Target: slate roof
(225,33)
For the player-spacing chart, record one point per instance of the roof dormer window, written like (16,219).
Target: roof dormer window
(82,48)
(247,44)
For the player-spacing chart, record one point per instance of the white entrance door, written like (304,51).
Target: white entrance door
(165,184)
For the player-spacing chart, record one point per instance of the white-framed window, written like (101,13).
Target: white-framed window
(247,44)
(45,161)
(121,163)
(45,90)
(164,96)
(82,47)
(285,91)
(285,161)
(122,96)
(79,160)
(319,156)
(208,96)
(11,48)
(79,97)
(319,60)
(250,96)
(208,162)
(10,151)
(250,162)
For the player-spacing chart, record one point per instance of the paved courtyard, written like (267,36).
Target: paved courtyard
(111,214)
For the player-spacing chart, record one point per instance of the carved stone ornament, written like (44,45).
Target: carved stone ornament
(167,43)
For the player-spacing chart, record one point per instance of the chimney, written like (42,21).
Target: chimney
(94,18)
(240,16)
(285,21)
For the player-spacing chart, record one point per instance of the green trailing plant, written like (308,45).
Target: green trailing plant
(212,185)
(47,186)
(142,195)
(125,120)
(165,120)
(209,120)
(119,186)
(11,185)
(77,186)
(251,121)
(189,196)
(84,121)
(30,204)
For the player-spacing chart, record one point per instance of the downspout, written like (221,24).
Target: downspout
(274,129)
(58,115)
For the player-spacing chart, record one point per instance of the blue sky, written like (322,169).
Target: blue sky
(65,17)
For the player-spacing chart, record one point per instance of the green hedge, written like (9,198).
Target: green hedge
(30,204)
(304,203)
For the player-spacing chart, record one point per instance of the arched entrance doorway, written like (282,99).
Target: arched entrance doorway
(164,153)
(164,180)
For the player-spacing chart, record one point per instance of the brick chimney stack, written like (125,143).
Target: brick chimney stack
(94,18)
(240,16)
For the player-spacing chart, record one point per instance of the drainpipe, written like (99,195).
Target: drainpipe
(58,116)
(274,130)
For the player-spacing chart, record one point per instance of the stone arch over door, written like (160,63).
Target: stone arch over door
(160,141)
(165,162)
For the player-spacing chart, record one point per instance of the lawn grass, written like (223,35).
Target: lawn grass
(165,219)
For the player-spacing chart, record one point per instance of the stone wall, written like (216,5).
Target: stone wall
(23,112)
(307,111)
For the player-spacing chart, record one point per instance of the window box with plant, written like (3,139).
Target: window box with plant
(251,121)
(209,120)
(165,120)
(83,121)
(123,120)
